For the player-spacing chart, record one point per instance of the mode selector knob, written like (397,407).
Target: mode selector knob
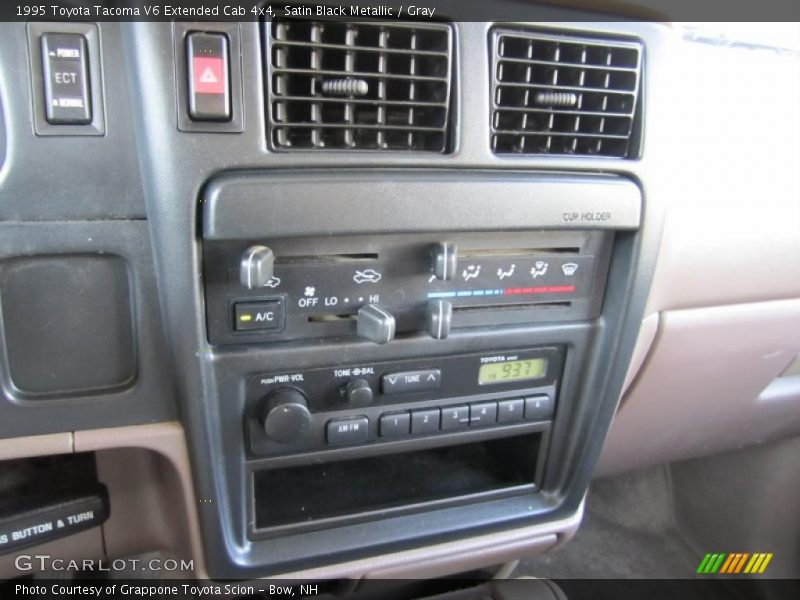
(375,324)
(256,267)
(439,316)
(445,260)
(358,392)
(285,415)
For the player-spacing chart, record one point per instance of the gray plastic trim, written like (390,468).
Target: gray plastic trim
(146,399)
(287,205)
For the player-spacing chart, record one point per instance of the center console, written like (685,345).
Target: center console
(422,378)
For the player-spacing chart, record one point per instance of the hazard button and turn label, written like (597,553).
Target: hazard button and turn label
(209,79)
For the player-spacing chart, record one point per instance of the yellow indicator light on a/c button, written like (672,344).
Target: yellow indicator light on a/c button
(245,318)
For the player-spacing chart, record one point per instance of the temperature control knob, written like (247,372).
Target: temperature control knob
(256,267)
(439,316)
(375,324)
(445,260)
(359,392)
(285,415)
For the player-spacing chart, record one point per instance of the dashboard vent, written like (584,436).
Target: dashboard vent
(359,86)
(554,94)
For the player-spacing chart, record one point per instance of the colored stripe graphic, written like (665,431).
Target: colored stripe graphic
(731,560)
(734,563)
(764,564)
(740,564)
(715,566)
(703,563)
(756,558)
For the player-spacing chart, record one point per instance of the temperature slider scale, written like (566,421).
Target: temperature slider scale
(337,287)
(343,295)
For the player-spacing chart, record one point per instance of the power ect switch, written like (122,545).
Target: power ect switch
(66,79)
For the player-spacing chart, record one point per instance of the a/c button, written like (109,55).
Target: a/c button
(266,315)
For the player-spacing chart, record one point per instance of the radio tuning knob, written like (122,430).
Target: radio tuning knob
(438,317)
(375,324)
(445,260)
(359,392)
(256,267)
(285,416)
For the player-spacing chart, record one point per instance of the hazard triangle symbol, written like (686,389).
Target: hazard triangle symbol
(208,76)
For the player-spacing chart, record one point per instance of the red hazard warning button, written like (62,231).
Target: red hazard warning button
(209,84)
(208,75)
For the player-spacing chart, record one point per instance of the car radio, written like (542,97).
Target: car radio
(378,402)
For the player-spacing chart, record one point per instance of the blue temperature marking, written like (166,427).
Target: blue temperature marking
(465,293)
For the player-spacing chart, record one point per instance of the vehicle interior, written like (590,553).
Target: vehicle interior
(468,300)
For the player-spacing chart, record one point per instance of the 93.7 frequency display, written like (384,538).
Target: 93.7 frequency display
(515,370)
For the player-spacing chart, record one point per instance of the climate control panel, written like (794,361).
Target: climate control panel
(277,290)
(373,403)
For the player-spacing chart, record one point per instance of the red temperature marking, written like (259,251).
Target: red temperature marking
(553,289)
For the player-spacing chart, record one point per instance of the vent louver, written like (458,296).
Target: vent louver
(359,85)
(554,94)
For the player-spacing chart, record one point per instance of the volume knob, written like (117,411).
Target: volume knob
(285,416)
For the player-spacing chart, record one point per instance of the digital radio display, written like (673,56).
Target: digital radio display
(515,370)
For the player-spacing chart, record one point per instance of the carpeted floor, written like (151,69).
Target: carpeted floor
(628,531)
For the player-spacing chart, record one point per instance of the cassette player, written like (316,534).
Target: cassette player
(326,408)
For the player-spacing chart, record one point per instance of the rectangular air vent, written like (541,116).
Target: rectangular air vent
(555,94)
(359,85)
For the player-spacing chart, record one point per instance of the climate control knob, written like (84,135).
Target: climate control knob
(375,324)
(438,317)
(445,260)
(256,267)
(285,416)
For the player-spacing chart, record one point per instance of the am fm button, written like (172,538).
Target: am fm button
(266,315)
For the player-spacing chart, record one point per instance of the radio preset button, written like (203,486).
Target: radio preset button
(425,421)
(482,413)
(455,417)
(348,431)
(509,411)
(538,408)
(395,425)
(409,382)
